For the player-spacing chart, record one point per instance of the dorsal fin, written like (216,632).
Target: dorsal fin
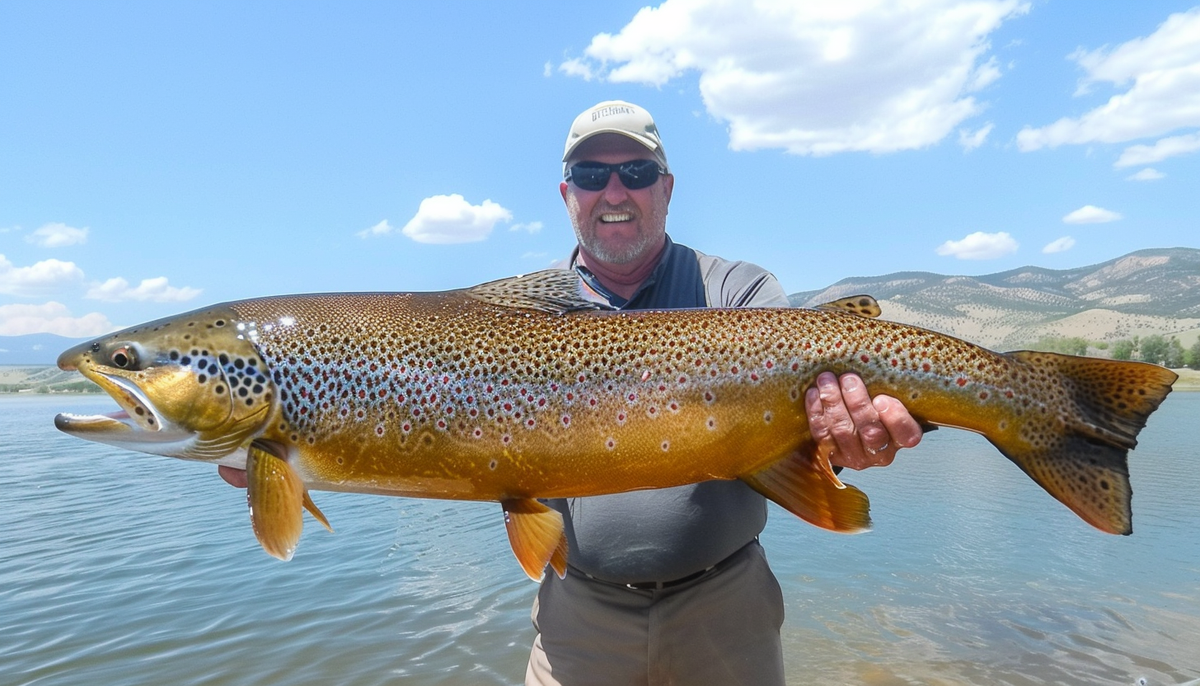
(556,291)
(862,305)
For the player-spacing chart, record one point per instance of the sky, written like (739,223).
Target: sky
(161,157)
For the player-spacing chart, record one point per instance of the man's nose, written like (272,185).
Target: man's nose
(614,190)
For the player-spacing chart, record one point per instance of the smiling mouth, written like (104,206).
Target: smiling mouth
(615,217)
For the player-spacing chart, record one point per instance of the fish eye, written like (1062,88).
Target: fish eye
(123,357)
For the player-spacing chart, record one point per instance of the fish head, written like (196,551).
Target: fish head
(192,386)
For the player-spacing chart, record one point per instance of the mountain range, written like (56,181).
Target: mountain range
(1154,291)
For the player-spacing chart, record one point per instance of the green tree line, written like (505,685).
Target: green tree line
(1155,349)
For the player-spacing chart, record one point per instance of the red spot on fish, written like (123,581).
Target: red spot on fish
(733,369)
(961,381)
(477,433)
(753,376)
(864,358)
(566,420)
(570,397)
(632,397)
(769,364)
(508,407)
(983,395)
(1008,394)
(441,424)
(926,366)
(795,366)
(895,362)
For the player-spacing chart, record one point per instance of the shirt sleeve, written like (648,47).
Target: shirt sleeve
(739,284)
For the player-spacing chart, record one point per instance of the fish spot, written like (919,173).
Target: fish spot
(767,417)
(666,445)
(610,443)
(493,464)
(711,423)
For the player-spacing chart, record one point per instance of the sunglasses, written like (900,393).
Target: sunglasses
(634,175)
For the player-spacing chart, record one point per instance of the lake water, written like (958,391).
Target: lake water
(119,568)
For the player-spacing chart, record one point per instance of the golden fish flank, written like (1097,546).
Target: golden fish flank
(520,389)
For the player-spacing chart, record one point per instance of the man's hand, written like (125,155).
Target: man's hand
(855,430)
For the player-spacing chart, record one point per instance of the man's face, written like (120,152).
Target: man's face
(617,225)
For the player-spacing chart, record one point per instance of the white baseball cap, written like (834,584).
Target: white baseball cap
(620,117)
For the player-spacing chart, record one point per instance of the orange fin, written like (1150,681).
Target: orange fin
(535,533)
(316,512)
(862,305)
(801,484)
(276,496)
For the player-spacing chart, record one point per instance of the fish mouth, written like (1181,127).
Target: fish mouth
(137,422)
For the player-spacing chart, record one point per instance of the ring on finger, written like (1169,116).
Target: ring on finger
(874,451)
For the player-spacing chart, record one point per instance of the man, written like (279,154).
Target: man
(671,586)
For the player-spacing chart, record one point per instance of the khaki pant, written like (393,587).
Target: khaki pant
(720,629)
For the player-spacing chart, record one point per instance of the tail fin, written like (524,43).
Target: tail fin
(1079,454)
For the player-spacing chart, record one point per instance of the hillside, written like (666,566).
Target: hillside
(1146,292)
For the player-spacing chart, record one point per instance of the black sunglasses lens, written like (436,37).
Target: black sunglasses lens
(590,176)
(638,174)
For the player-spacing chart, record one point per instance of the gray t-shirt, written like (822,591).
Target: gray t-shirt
(666,534)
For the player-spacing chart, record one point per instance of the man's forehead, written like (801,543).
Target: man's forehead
(610,144)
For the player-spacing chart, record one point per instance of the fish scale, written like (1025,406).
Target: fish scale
(527,388)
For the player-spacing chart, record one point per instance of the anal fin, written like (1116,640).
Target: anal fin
(536,535)
(277,498)
(801,484)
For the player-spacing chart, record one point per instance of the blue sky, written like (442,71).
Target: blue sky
(158,157)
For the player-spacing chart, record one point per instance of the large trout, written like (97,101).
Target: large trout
(527,388)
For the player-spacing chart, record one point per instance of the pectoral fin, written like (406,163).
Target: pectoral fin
(277,499)
(535,533)
(804,485)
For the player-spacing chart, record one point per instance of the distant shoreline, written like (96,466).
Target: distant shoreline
(49,380)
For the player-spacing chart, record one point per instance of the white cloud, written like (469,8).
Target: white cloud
(451,219)
(1090,214)
(1147,174)
(1136,155)
(1061,245)
(531,227)
(980,246)
(1162,75)
(58,235)
(814,78)
(970,141)
(383,228)
(42,278)
(52,317)
(149,290)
